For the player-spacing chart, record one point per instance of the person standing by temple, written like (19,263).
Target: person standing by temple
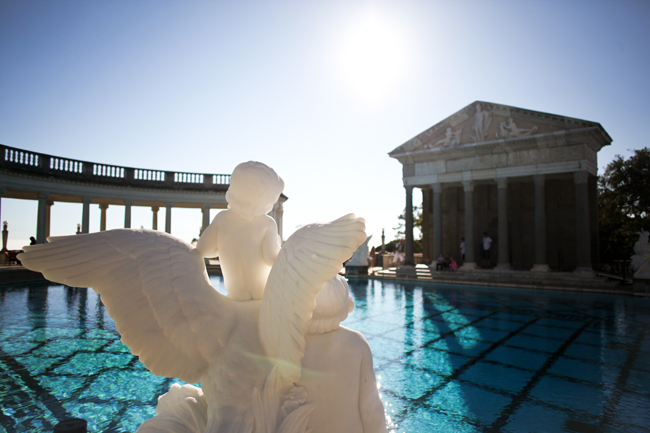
(487,243)
(462,250)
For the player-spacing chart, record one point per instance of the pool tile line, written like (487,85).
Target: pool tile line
(610,407)
(48,400)
(398,417)
(117,418)
(443,335)
(561,377)
(412,323)
(66,359)
(487,387)
(522,395)
(421,401)
(587,422)
(88,381)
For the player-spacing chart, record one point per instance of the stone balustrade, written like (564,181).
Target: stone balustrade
(39,164)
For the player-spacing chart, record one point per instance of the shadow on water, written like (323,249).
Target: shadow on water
(37,306)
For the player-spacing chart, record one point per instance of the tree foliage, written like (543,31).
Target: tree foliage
(417,227)
(624,202)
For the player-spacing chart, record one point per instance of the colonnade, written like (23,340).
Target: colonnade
(47,179)
(45,204)
(582,218)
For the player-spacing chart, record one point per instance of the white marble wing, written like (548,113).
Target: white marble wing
(311,256)
(154,286)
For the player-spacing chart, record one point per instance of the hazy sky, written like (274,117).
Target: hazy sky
(321,91)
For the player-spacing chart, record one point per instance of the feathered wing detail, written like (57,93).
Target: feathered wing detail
(311,256)
(154,286)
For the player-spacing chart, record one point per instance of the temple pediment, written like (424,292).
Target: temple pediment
(483,122)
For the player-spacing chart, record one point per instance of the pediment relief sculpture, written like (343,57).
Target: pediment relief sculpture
(451,139)
(509,129)
(482,120)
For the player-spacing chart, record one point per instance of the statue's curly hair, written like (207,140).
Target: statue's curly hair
(254,189)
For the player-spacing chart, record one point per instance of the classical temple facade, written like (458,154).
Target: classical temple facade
(526,178)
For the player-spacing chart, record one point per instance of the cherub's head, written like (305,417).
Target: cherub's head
(254,189)
(333,304)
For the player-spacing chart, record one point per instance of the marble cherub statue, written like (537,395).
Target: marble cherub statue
(244,237)
(641,258)
(337,386)
(246,354)
(157,290)
(338,362)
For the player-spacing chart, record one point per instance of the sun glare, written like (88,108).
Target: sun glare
(371,58)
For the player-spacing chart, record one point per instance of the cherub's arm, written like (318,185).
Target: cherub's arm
(271,242)
(207,245)
(370,405)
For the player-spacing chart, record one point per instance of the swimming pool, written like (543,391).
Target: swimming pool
(448,359)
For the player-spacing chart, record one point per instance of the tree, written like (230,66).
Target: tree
(624,203)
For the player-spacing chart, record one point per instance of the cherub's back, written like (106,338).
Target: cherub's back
(338,375)
(241,253)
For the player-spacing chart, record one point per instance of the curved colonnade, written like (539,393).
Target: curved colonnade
(48,179)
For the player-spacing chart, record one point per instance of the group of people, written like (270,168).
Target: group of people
(448,262)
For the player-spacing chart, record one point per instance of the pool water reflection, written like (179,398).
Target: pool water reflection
(448,359)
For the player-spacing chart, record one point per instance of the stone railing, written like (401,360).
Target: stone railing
(21,161)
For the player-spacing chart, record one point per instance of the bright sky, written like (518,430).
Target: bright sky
(320,91)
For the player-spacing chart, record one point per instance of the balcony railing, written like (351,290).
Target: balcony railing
(40,164)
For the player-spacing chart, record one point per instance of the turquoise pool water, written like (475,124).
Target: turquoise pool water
(448,359)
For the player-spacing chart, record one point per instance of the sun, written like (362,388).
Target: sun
(372,57)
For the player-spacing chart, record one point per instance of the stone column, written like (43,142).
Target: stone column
(206,217)
(48,215)
(102,220)
(504,253)
(2,192)
(85,219)
(41,229)
(5,235)
(408,267)
(154,224)
(127,213)
(409,258)
(427,225)
(437,220)
(583,238)
(541,256)
(4,230)
(168,217)
(470,248)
